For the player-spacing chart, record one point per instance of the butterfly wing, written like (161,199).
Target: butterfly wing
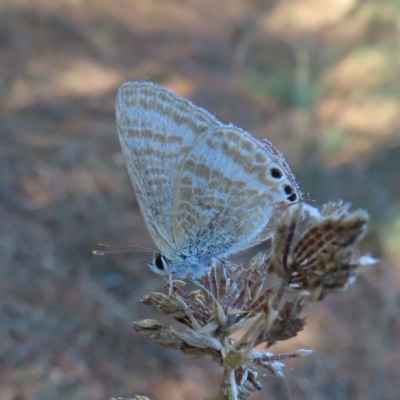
(156,130)
(228,189)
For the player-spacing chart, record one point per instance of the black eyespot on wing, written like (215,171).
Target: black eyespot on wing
(276,173)
(292,197)
(158,262)
(288,189)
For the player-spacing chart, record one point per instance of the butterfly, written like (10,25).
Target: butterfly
(206,190)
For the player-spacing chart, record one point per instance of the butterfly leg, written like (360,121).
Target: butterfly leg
(170,285)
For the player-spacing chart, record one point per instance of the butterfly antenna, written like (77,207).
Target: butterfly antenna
(119,248)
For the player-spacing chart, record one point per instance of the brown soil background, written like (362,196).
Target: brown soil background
(319,78)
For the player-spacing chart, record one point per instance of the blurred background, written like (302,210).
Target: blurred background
(320,78)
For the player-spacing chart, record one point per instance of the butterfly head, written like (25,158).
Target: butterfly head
(181,266)
(160,265)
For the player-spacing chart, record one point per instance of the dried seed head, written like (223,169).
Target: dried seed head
(235,310)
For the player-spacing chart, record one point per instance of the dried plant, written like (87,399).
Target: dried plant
(314,253)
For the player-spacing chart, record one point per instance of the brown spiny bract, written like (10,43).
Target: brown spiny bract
(325,257)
